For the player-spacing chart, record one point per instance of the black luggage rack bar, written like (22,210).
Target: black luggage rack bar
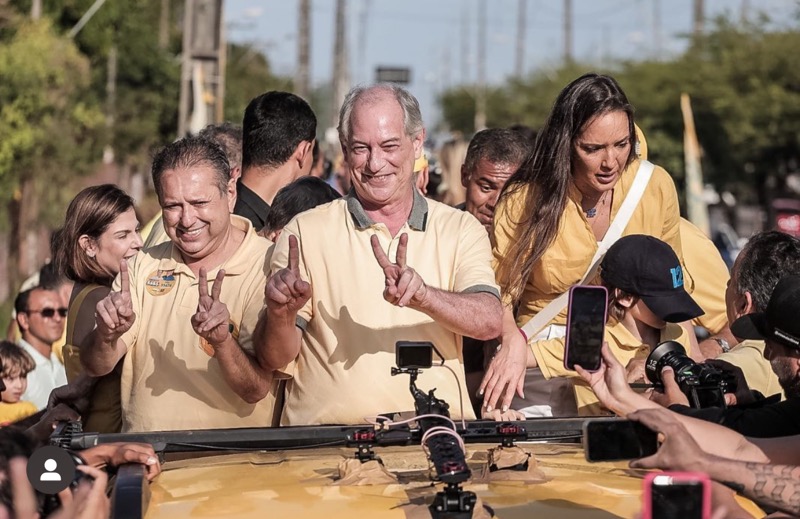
(69,436)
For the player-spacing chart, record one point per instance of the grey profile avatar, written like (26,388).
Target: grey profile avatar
(50,466)
(50,469)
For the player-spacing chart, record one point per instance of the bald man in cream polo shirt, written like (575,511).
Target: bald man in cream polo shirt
(382,264)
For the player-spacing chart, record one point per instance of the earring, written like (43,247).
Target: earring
(90,254)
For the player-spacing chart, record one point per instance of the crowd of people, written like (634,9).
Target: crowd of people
(263,295)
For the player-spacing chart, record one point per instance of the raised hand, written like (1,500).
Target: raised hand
(114,314)
(212,319)
(404,286)
(286,291)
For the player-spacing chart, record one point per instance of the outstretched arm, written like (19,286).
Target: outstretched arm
(612,389)
(777,486)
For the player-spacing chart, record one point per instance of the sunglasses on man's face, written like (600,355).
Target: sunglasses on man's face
(49,313)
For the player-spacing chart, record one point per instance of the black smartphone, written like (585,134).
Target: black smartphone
(586,324)
(677,495)
(613,439)
(414,354)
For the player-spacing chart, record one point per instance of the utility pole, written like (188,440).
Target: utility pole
(657,37)
(202,66)
(163,25)
(301,80)
(519,66)
(340,79)
(744,14)
(480,94)
(567,31)
(698,18)
(464,44)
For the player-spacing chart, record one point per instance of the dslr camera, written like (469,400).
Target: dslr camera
(704,385)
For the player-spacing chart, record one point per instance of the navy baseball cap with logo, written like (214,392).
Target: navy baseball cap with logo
(647,267)
(780,322)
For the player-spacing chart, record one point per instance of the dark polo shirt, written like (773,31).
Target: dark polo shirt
(251,206)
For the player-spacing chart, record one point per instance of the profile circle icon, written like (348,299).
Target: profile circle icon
(50,469)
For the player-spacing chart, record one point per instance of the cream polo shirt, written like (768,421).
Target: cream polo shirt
(749,356)
(343,371)
(170,379)
(625,347)
(567,259)
(705,276)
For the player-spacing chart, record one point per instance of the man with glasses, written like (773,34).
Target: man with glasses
(40,317)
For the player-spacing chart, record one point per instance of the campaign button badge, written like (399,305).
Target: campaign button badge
(160,282)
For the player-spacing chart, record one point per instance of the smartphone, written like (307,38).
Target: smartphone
(613,439)
(586,325)
(414,354)
(677,495)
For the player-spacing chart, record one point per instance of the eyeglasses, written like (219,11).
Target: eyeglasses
(49,313)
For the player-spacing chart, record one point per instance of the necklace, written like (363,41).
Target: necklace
(592,212)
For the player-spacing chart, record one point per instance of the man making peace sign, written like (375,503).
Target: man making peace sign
(380,265)
(189,362)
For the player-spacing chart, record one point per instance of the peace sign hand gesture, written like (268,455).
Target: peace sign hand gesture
(212,318)
(114,314)
(286,292)
(404,286)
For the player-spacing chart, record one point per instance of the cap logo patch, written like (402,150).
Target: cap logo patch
(677,276)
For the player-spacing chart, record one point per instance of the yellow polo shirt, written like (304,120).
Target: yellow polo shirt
(565,262)
(749,356)
(625,347)
(343,371)
(705,276)
(170,379)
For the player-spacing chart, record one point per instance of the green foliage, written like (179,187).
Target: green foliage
(47,119)
(248,75)
(744,84)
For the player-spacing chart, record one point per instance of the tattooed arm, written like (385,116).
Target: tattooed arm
(776,486)
(773,485)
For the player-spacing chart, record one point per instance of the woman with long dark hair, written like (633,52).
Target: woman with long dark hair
(100,230)
(553,217)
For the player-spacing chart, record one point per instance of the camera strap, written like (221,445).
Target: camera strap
(549,312)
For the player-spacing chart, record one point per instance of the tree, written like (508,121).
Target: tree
(248,75)
(48,129)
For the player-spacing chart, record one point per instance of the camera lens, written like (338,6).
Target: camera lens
(669,353)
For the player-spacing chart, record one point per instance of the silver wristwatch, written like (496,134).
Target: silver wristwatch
(723,344)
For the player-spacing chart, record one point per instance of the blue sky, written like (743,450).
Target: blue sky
(428,35)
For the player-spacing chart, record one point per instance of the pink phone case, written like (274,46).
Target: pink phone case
(676,479)
(569,317)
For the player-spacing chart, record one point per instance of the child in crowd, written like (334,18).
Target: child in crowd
(15,364)
(646,300)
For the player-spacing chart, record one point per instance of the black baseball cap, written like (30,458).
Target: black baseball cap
(647,267)
(780,322)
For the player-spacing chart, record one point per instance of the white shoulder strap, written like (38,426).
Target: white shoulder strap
(549,312)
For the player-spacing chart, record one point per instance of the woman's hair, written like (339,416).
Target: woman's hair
(616,310)
(91,212)
(548,174)
(14,361)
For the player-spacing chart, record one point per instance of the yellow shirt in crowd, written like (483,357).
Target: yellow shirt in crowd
(749,356)
(10,413)
(705,276)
